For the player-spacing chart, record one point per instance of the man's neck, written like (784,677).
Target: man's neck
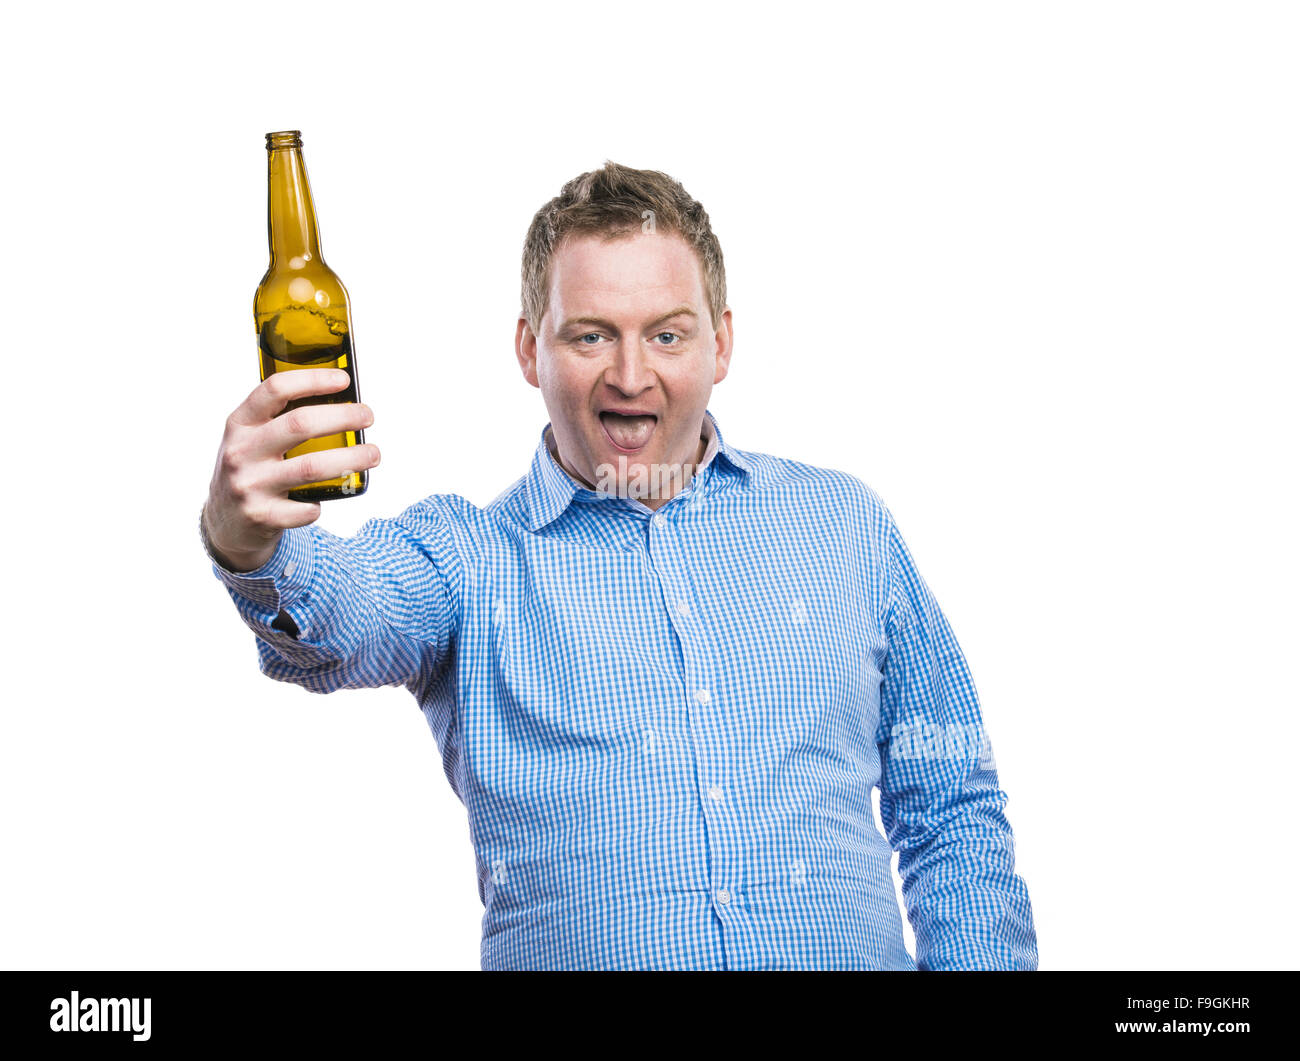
(650,502)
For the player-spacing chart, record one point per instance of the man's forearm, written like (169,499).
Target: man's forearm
(368,611)
(968,907)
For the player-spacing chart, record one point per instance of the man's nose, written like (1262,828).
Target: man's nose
(629,372)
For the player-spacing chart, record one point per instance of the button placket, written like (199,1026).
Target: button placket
(675,586)
(675,591)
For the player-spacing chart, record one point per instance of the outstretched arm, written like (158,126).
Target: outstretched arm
(380,608)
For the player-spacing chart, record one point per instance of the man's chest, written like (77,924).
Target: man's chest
(684,640)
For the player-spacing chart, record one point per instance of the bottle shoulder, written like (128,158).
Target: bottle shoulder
(316,286)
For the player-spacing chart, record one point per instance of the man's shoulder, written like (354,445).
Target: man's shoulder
(802,479)
(509,508)
(512,502)
(446,518)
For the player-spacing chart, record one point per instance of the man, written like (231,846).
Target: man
(664,673)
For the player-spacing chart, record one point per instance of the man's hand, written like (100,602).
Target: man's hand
(248,507)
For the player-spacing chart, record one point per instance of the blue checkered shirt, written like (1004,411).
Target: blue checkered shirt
(666,726)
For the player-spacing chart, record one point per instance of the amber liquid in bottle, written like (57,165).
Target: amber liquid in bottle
(300,310)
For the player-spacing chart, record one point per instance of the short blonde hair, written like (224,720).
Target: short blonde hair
(617,201)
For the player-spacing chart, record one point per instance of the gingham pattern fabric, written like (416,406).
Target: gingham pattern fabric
(666,727)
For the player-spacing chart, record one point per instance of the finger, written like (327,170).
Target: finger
(295,513)
(320,465)
(312,421)
(282,514)
(268,399)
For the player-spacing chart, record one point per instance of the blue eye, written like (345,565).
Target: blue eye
(671,335)
(590,335)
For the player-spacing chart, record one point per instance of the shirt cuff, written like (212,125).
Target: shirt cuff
(282,580)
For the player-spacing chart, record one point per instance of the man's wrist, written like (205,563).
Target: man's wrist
(234,563)
(283,579)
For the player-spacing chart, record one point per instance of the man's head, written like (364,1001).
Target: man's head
(623,310)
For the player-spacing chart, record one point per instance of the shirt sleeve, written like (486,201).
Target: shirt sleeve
(380,608)
(940,802)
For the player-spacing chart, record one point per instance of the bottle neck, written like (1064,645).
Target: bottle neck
(291,215)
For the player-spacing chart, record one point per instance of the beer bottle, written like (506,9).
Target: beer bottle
(300,310)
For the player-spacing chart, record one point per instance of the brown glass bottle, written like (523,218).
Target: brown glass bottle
(300,310)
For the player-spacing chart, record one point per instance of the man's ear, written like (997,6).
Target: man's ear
(722,336)
(526,351)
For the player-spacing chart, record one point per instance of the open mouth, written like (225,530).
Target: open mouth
(628,433)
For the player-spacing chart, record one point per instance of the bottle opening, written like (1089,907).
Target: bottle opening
(289,138)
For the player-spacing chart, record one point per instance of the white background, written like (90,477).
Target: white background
(1028,269)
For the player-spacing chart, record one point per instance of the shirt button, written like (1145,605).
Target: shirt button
(715,794)
(659,519)
(724,896)
(702,695)
(683,609)
(289,569)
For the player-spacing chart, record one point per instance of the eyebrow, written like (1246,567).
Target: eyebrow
(680,311)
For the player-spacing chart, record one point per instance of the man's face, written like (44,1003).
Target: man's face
(626,331)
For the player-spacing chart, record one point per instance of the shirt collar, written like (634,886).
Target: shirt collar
(550,488)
